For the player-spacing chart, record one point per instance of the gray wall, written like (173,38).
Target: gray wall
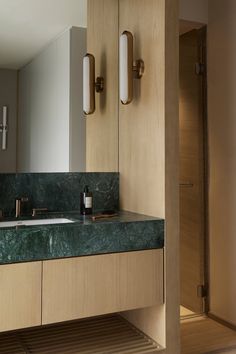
(50,118)
(8,97)
(78,46)
(194,10)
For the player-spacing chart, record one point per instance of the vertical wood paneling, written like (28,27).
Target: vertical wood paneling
(102,126)
(148,147)
(142,122)
(222,159)
(148,135)
(172,175)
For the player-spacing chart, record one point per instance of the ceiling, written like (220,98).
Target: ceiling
(27,26)
(187,26)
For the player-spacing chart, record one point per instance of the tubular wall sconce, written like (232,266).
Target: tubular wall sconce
(128,68)
(90,85)
(4,128)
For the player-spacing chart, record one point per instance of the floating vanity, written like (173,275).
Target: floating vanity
(59,272)
(78,236)
(62,266)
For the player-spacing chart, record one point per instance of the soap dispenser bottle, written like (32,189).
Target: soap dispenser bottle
(86,202)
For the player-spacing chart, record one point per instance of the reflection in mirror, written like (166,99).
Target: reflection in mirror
(42,44)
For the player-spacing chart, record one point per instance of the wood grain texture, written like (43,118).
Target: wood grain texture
(192,208)
(148,148)
(95,285)
(102,126)
(205,336)
(222,163)
(172,175)
(20,295)
(142,122)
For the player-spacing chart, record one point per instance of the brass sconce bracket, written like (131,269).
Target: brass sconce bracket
(99,84)
(138,68)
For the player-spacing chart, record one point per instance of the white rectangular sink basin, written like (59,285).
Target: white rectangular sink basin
(35,222)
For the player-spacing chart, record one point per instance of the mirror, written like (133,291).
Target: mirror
(42,44)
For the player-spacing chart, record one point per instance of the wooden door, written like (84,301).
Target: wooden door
(192,174)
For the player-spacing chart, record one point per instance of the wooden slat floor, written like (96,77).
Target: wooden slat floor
(101,335)
(204,336)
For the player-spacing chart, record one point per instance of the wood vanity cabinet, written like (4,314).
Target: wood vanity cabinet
(20,295)
(53,291)
(93,285)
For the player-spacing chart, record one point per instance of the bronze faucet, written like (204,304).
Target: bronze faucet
(36,211)
(19,202)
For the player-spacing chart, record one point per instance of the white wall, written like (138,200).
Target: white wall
(194,10)
(8,97)
(47,113)
(43,139)
(27,26)
(222,150)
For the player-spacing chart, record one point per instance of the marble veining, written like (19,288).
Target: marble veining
(58,191)
(126,232)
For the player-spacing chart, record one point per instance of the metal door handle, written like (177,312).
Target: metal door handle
(187,184)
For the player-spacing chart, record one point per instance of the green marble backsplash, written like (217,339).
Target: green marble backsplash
(59,191)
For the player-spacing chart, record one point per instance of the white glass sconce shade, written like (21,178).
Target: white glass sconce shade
(4,128)
(89,84)
(128,68)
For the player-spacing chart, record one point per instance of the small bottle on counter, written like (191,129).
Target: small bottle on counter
(86,202)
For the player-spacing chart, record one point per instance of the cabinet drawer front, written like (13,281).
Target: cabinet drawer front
(20,295)
(140,279)
(90,286)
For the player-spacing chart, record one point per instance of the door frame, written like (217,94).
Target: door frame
(206,169)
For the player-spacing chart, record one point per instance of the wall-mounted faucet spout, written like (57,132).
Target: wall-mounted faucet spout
(19,202)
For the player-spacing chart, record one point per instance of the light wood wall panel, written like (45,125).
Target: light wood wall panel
(172,175)
(148,148)
(96,285)
(102,126)
(142,122)
(222,159)
(20,295)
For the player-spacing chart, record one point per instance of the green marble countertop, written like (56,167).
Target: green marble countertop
(125,232)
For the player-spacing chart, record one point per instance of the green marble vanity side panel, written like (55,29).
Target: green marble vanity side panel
(127,232)
(58,191)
